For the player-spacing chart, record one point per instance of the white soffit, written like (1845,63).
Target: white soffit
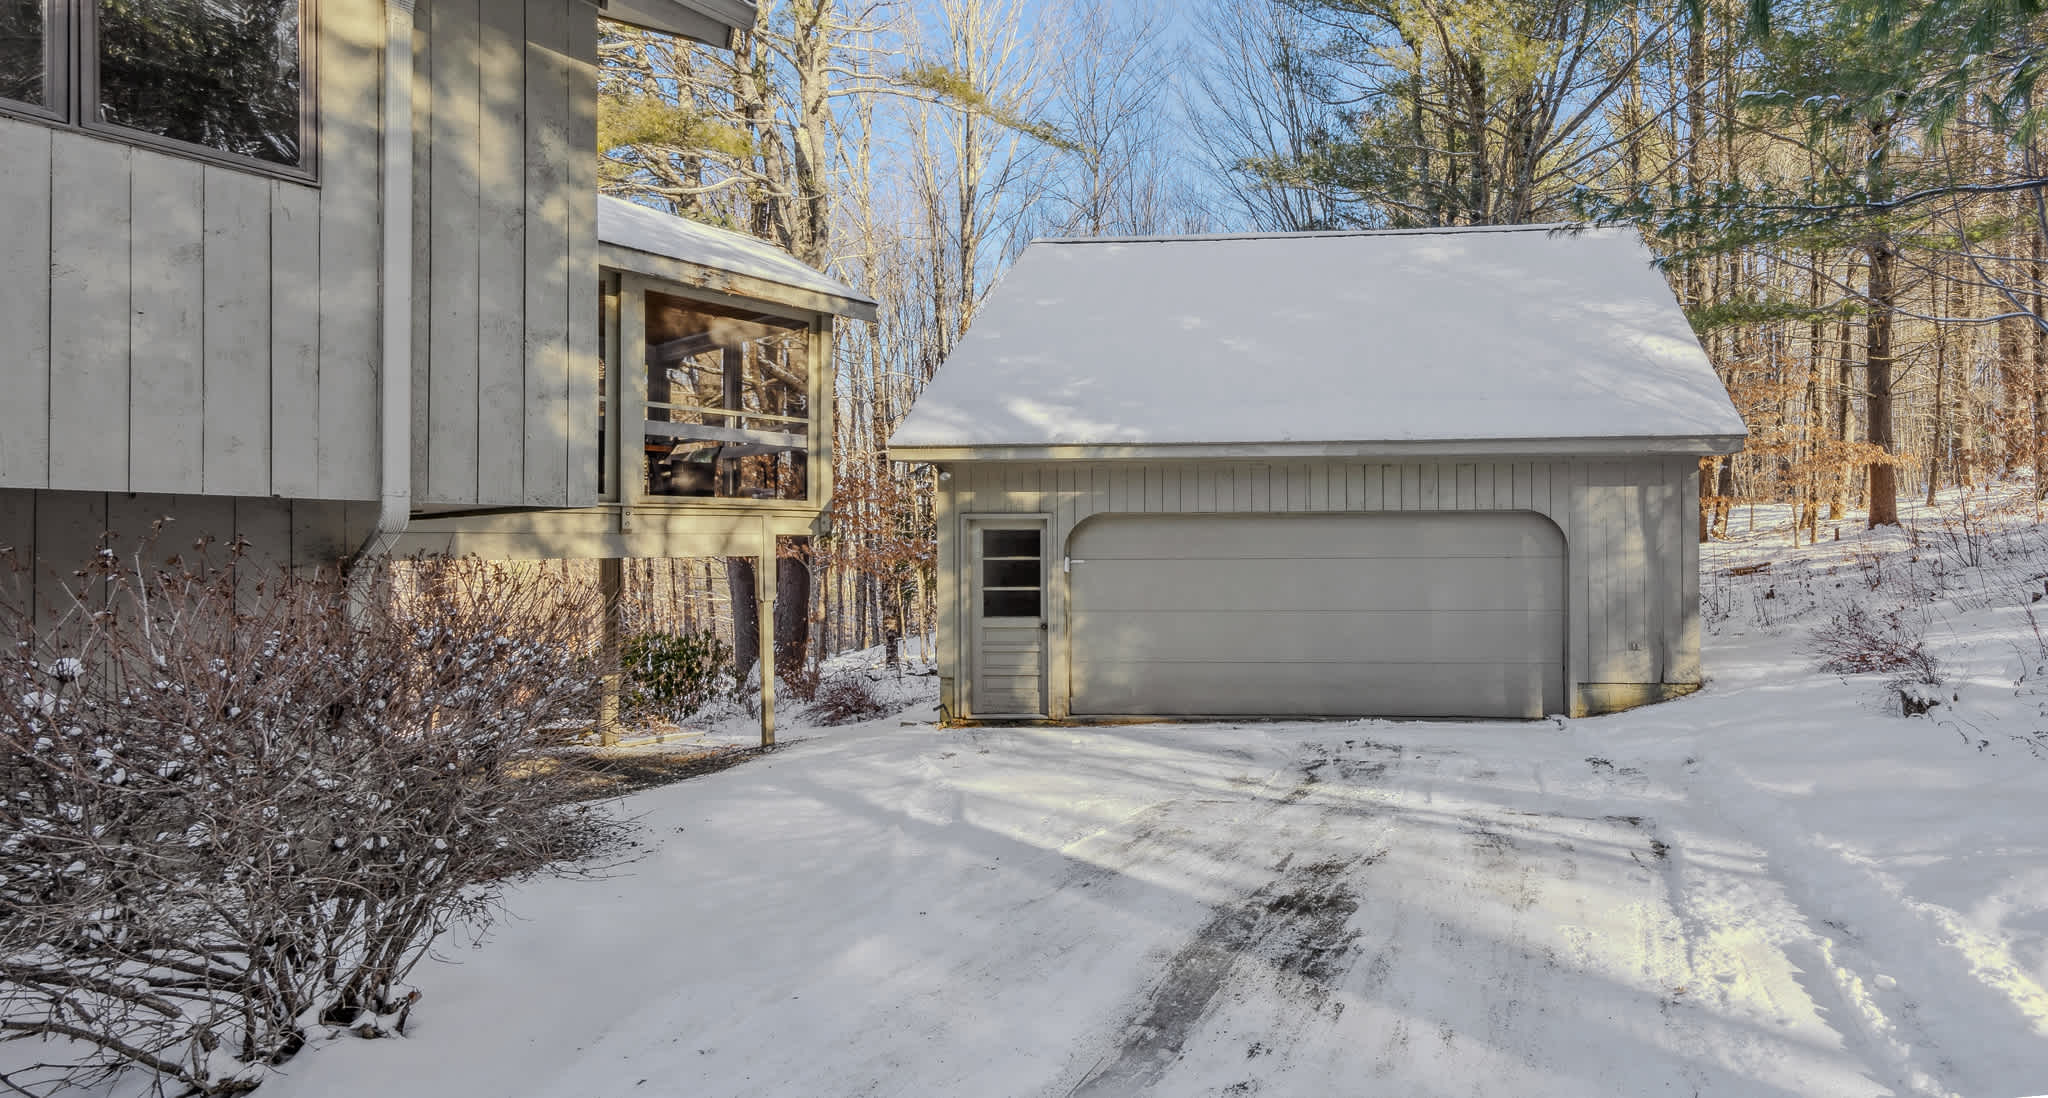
(1393,337)
(638,228)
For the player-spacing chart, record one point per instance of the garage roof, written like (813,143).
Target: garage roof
(1533,339)
(633,237)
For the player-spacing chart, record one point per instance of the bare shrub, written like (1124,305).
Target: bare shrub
(1854,642)
(225,823)
(801,681)
(846,699)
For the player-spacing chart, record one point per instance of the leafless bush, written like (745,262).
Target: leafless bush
(1854,642)
(801,681)
(846,699)
(222,825)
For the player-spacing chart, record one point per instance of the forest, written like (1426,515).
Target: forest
(1846,199)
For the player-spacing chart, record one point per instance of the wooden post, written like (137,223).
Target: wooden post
(611,588)
(764,600)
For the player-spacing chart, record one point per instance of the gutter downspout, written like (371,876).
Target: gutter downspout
(394,433)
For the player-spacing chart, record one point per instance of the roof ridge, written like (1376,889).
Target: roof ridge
(1556,227)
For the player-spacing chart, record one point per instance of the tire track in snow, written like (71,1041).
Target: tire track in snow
(1291,932)
(1295,924)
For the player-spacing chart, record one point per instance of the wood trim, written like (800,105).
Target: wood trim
(1535,449)
(697,276)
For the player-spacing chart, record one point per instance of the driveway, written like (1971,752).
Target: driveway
(1278,909)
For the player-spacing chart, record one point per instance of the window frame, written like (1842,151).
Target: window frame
(628,400)
(71,76)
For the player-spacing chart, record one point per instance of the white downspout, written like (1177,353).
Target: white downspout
(394,434)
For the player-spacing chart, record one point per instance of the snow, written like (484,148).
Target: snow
(1528,333)
(1776,887)
(641,229)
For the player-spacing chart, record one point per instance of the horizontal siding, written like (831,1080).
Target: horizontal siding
(1633,582)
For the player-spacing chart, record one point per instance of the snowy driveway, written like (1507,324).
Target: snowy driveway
(1278,909)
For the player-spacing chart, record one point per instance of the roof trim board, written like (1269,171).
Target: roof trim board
(711,22)
(1545,449)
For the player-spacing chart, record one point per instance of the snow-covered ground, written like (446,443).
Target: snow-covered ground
(1779,886)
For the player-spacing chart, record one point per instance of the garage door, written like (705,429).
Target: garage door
(1435,615)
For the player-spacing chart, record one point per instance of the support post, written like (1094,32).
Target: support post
(611,588)
(764,596)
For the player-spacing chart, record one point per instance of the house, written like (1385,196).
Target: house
(1421,473)
(333,277)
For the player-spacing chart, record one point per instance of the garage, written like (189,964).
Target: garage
(1431,473)
(1436,615)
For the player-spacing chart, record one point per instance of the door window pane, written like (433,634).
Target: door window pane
(1009,573)
(225,74)
(1009,604)
(24,52)
(1009,543)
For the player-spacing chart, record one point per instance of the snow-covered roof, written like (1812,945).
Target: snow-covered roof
(649,232)
(1403,337)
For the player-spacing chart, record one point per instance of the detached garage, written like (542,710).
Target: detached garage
(1433,473)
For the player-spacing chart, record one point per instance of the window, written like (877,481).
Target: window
(222,78)
(1011,574)
(728,412)
(24,52)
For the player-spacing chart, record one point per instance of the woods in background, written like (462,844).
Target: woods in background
(1845,196)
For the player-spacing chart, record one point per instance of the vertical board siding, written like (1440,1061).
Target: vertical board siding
(504,354)
(452,395)
(61,532)
(89,302)
(500,285)
(350,250)
(294,341)
(25,304)
(166,322)
(236,446)
(1633,574)
(422,241)
(580,450)
(188,327)
(546,425)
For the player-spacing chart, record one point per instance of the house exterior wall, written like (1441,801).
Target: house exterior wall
(1633,576)
(171,325)
(176,326)
(505,254)
(53,533)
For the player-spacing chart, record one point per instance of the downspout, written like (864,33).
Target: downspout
(394,427)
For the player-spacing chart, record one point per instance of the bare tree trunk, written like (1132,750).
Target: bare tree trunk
(746,615)
(1877,360)
(2037,442)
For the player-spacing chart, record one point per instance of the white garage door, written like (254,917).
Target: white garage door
(1413,615)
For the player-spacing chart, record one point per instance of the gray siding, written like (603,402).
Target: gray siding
(505,399)
(173,326)
(1633,574)
(62,530)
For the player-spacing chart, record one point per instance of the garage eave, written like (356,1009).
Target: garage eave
(1546,448)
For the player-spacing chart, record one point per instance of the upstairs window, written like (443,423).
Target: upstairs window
(25,42)
(224,79)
